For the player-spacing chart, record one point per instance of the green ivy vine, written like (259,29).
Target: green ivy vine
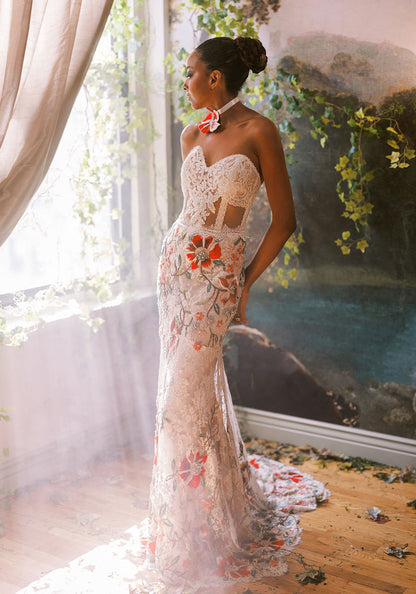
(281,96)
(118,126)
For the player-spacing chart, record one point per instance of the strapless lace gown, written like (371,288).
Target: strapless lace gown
(216,514)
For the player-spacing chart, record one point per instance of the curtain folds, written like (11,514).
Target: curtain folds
(45,50)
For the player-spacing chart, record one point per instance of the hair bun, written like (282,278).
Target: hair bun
(252,53)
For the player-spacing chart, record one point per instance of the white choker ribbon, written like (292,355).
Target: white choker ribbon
(212,120)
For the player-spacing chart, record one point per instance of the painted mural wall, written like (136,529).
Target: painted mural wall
(339,344)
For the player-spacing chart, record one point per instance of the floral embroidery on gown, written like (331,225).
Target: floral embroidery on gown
(216,514)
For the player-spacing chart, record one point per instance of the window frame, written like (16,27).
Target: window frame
(143,197)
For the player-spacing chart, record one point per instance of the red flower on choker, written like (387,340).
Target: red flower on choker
(212,120)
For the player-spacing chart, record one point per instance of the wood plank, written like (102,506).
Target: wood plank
(52,524)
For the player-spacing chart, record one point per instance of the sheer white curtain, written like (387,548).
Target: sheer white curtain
(45,49)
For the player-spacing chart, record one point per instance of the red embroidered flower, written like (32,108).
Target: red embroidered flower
(200,254)
(221,567)
(197,345)
(295,476)
(199,316)
(241,572)
(192,468)
(229,282)
(173,336)
(231,567)
(254,463)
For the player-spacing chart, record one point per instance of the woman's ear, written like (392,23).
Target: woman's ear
(215,77)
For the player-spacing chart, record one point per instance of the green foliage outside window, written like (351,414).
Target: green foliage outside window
(118,127)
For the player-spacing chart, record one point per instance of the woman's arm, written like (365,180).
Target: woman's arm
(283,219)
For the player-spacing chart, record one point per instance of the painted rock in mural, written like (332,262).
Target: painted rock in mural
(264,376)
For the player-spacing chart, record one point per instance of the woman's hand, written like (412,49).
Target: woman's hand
(240,314)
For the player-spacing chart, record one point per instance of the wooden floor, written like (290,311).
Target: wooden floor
(55,522)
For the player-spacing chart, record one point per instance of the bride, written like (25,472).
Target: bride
(217,515)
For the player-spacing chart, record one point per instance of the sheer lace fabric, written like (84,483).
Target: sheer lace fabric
(216,514)
(232,181)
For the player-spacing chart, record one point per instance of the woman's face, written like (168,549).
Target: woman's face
(197,81)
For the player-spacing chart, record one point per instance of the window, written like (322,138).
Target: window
(47,244)
(100,213)
(78,224)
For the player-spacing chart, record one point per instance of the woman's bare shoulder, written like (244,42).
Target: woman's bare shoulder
(259,125)
(262,134)
(189,137)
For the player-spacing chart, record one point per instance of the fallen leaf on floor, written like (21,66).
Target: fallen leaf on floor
(298,458)
(412,503)
(398,552)
(311,576)
(356,463)
(299,454)
(385,476)
(408,475)
(374,514)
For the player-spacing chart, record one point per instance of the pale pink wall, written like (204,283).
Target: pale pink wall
(379,21)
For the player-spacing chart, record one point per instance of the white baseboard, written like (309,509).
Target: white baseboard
(29,468)
(339,439)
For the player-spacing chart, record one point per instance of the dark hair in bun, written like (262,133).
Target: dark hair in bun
(234,58)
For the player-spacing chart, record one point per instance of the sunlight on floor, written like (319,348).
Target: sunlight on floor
(108,568)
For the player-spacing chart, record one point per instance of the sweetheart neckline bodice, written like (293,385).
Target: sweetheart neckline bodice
(220,161)
(224,191)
